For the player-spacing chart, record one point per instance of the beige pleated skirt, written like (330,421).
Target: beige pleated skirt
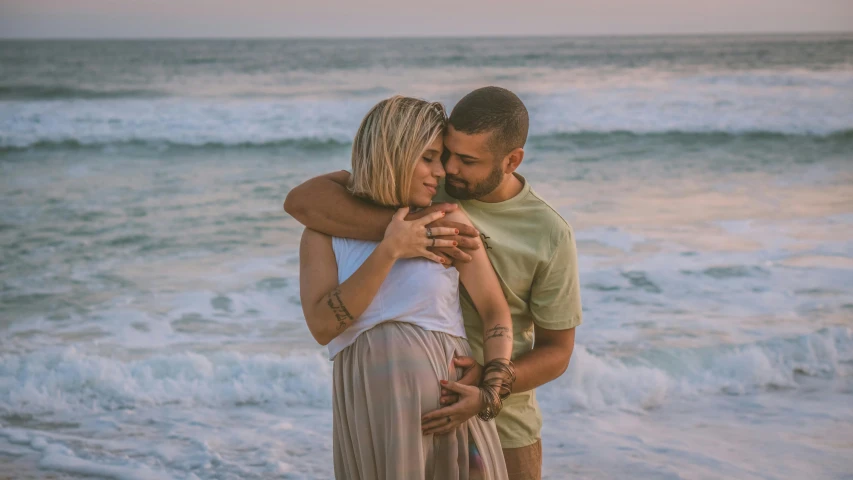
(383,384)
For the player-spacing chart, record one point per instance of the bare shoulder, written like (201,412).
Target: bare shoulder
(458,216)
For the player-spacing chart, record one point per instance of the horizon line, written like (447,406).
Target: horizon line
(439,37)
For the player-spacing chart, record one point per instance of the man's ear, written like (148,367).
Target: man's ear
(513,160)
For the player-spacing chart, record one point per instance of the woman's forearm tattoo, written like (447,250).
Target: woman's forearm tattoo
(337,305)
(498,331)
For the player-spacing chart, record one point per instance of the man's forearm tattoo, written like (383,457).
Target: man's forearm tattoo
(498,331)
(337,305)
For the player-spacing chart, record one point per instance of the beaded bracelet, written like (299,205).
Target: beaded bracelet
(495,386)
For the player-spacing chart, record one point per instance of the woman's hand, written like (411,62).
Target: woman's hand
(467,237)
(445,420)
(407,239)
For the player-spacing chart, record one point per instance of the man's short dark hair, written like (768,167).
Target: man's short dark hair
(496,110)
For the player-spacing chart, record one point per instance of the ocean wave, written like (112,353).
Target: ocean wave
(67,380)
(802,78)
(310,144)
(223,92)
(649,379)
(711,137)
(681,112)
(55,92)
(544,142)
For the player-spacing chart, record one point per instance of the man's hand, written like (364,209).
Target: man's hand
(472,371)
(445,420)
(465,239)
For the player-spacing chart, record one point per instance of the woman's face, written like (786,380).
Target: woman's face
(428,171)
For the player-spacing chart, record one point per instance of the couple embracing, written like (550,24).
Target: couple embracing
(441,318)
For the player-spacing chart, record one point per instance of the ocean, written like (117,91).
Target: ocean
(149,307)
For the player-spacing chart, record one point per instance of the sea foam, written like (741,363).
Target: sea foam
(67,379)
(786,104)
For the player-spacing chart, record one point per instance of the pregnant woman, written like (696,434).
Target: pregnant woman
(389,312)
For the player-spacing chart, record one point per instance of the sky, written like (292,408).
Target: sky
(392,18)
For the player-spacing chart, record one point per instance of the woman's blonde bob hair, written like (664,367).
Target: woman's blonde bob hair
(388,145)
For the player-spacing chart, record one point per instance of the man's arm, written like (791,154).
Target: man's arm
(325,205)
(555,304)
(552,350)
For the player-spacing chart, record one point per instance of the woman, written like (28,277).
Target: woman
(390,315)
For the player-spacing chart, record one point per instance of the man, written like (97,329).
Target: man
(530,246)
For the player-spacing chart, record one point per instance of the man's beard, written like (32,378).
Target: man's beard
(467,192)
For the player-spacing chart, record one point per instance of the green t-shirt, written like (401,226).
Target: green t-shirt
(532,250)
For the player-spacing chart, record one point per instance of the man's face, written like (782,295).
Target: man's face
(472,171)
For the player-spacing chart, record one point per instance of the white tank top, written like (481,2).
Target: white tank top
(416,291)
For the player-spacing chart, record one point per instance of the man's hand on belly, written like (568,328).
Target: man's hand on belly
(447,419)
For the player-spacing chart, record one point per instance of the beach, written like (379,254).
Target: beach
(149,303)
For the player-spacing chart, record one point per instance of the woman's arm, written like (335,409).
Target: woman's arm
(481,282)
(330,307)
(324,204)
